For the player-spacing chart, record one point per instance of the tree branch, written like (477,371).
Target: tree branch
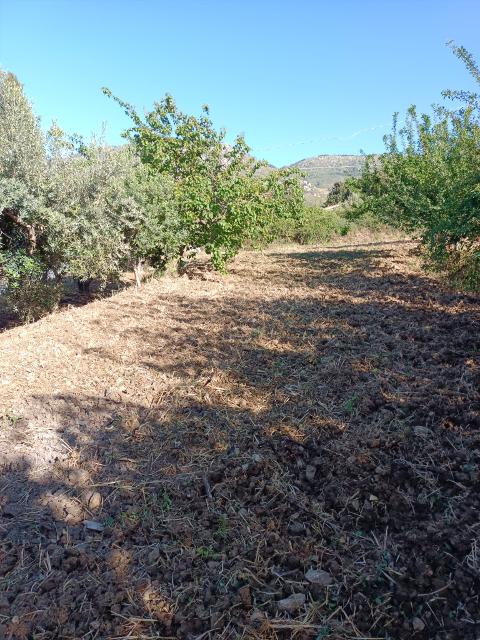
(12,215)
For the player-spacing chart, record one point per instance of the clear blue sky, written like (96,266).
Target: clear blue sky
(298,78)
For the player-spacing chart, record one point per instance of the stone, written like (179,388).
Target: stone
(310,472)
(78,477)
(63,508)
(92,525)
(245,596)
(154,555)
(257,619)
(92,500)
(292,603)
(296,528)
(418,624)
(318,576)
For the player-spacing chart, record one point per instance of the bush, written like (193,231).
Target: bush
(315,226)
(222,201)
(339,193)
(427,183)
(29,294)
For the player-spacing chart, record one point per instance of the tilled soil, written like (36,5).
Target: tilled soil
(289,451)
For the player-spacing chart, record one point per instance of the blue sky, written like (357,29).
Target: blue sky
(298,78)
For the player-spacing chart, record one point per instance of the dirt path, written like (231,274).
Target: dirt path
(290,451)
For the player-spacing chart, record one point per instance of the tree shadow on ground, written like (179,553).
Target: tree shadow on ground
(318,431)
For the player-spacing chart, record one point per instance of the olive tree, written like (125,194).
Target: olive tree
(22,166)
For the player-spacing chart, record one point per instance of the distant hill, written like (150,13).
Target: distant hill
(323,171)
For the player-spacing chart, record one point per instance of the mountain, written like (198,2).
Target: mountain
(321,173)
(324,171)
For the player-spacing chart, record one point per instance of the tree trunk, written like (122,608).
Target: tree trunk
(12,215)
(84,285)
(181,262)
(138,270)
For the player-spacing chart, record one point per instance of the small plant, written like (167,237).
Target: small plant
(166,503)
(222,526)
(324,632)
(206,552)
(127,518)
(351,404)
(10,419)
(108,522)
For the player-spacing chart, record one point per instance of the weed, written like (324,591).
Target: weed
(350,404)
(207,553)
(108,522)
(222,526)
(10,419)
(167,503)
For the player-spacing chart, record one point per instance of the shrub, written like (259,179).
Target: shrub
(315,226)
(428,184)
(339,193)
(30,294)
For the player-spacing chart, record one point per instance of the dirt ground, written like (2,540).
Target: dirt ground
(289,451)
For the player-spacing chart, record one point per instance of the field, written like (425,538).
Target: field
(288,451)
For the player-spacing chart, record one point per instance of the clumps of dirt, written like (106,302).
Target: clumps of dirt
(292,451)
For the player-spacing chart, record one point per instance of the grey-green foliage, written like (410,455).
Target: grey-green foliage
(90,211)
(67,207)
(58,205)
(22,166)
(316,225)
(85,183)
(22,148)
(148,210)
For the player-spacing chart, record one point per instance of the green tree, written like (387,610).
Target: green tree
(22,166)
(221,200)
(428,182)
(339,193)
(147,210)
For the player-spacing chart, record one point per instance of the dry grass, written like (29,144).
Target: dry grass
(316,408)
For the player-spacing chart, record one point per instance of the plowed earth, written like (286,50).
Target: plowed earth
(289,451)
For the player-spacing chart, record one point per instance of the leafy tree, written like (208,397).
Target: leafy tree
(57,213)
(22,166)
(148,211)
(428,183)
(221,200)
(339,193)
(85,182)
(469,98)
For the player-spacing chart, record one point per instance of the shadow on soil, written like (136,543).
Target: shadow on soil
(335,431)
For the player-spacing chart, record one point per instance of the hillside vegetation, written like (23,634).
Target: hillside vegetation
(323,171)
(87,211)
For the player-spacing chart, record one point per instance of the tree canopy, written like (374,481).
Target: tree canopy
(87,210)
